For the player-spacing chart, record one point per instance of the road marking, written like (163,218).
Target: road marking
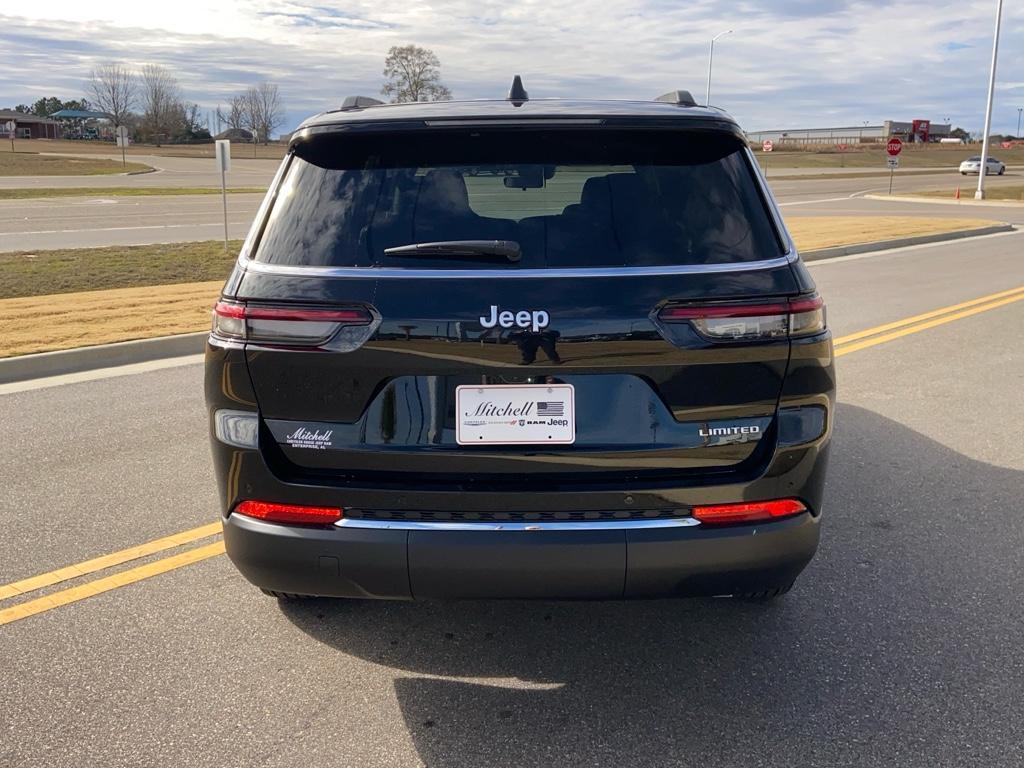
(923,326)
(121,215)
(107,583)
(107,561)
(847,344)
(246,222)
(926,316)
(100,373)
(829,199)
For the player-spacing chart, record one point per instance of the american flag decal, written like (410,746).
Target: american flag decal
(551,409)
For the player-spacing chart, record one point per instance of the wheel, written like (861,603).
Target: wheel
(764,595)
(1002,171)
(285,597)
(963,173)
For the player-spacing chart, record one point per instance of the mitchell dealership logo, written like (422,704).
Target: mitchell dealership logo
(502,409)
(310,438)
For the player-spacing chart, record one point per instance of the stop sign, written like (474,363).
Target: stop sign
(767,145)
(894,146)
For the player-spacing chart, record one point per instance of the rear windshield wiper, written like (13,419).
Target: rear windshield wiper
(502,249)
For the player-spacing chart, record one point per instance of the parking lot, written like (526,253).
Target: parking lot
(900,645)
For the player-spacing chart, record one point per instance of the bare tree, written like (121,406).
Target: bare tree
(262,111)
(191,119)
(161,102)
(251,117)
(413,74)
(114,90)
(271,109)
(234,117)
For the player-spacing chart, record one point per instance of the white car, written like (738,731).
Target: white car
(973,165)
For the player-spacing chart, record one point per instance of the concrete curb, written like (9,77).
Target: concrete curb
(81,359)
(942,201)
(101,356)
(882,245)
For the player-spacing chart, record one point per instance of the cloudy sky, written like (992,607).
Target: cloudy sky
(789,63)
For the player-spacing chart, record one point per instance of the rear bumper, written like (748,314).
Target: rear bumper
(583,564)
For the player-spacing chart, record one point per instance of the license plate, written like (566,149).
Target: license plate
(515,415)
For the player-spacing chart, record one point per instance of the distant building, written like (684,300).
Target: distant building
(29,126)
(235,134)
(916,131)
(85,124)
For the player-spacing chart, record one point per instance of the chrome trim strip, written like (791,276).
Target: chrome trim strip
(383,273)
(592,525)
(773,205)
(222,343)
(544,121)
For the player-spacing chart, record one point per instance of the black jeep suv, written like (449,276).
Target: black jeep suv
(515,348)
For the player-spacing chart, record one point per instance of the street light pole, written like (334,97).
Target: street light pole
(1017,134)
(711,59)
(980,193)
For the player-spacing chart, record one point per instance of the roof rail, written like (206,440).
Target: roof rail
(679,98)
(359,102)
(517,93)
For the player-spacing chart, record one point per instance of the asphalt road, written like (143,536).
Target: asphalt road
(900,646)
(170,172)
(97,220)
(793,190)
(80,222)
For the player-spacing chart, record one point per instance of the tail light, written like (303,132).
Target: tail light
(334,328)
(290,513)
(747,512)
(785,318)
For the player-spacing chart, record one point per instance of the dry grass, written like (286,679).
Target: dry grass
(825,175)
(992,192)
(124,266)
(44,323)
(814,232)
(39,323)
(25,164)
(874,156)
(238,150)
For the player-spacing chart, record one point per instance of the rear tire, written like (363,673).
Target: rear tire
(764,595)
(285,597)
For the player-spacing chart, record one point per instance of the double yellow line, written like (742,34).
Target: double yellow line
(843,346)
(107,583)
(880,334)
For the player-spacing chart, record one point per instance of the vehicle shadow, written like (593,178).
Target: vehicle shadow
(900,645)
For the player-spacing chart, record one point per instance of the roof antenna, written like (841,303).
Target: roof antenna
(517,94)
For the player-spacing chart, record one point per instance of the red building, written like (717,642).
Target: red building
(28,126)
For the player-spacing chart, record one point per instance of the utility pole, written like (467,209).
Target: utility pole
(222,148)
(711,60)
(980,193)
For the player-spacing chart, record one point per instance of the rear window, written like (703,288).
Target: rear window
(568,198)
